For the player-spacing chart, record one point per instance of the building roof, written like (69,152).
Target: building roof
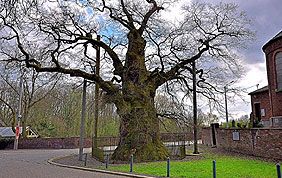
(276,37)
(6,132)
(260,90)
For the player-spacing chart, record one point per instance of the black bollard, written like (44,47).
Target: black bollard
(131,163)
(168,167)
(214,168)
(107,161)
(278,170)
(85,159)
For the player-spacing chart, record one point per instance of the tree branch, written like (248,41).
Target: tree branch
(148,15)
(128,15)
(169,75)
(119,19)
(116,61)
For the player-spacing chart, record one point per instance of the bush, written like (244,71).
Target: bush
(5,142)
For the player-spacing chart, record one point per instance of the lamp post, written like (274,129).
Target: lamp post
(82,122)
(195,121)
(225,98)
(96,104)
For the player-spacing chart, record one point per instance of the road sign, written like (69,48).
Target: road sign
(17,132)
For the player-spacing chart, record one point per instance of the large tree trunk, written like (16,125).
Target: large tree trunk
(139,129)
(139,133)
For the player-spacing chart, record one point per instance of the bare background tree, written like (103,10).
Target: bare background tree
(142,50)
(35,88)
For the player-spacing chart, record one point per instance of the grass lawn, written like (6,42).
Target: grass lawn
(226,167)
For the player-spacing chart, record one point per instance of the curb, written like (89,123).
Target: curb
(51,161)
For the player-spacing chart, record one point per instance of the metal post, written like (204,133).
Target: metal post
(226,110)
(225,99)
(82,122)
(107,161)
(19,116)
(214,168)
(168,167)
(278,170)
(195,121)
(96,112)
(131,163)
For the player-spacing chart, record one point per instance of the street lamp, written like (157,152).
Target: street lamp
(225,97)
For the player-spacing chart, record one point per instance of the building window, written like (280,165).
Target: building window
(278,61)
(262,112)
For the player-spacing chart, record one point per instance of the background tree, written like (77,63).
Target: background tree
(7,100)
(142,52)
(36,87)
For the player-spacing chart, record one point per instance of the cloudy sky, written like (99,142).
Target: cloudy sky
(266,19)
(266,16)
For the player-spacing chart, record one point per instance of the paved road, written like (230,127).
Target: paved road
(33,164)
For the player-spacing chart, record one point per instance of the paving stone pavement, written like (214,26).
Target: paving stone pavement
(33,164)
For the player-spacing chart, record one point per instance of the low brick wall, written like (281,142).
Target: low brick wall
(206,136)
(73,142)
(53,143)
(263,142)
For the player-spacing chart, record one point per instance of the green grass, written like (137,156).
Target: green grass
(226,167)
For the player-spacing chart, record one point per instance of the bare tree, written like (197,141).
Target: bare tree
(142,52)
(36,87)
(7,104)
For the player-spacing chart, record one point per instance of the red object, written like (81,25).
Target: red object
(17,132)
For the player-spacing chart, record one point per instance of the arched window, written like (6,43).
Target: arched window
(278,61)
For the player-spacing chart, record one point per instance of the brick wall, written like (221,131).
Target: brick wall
(263,99)
(258,142)
(270,50)
(73,142)
(206,136)
(53,143)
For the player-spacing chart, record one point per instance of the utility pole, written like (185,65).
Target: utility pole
(195,126)
(225,98)
(82,122)
(96,105)
(19,116)
(226,110)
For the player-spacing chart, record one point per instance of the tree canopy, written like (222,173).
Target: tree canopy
(142,50)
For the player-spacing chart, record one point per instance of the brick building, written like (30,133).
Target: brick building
(267,101)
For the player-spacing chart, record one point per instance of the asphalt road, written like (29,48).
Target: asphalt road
(33,164)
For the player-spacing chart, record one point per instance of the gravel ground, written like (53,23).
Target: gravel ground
(72,160)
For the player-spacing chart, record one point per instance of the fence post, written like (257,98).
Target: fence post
(214,168)
(168,167)
(278,170)
(85,159)
(131,163)
(107,161)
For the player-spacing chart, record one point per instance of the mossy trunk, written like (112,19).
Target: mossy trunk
(139,134)
(139,129)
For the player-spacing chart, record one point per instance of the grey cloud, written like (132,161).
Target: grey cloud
(266,16)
